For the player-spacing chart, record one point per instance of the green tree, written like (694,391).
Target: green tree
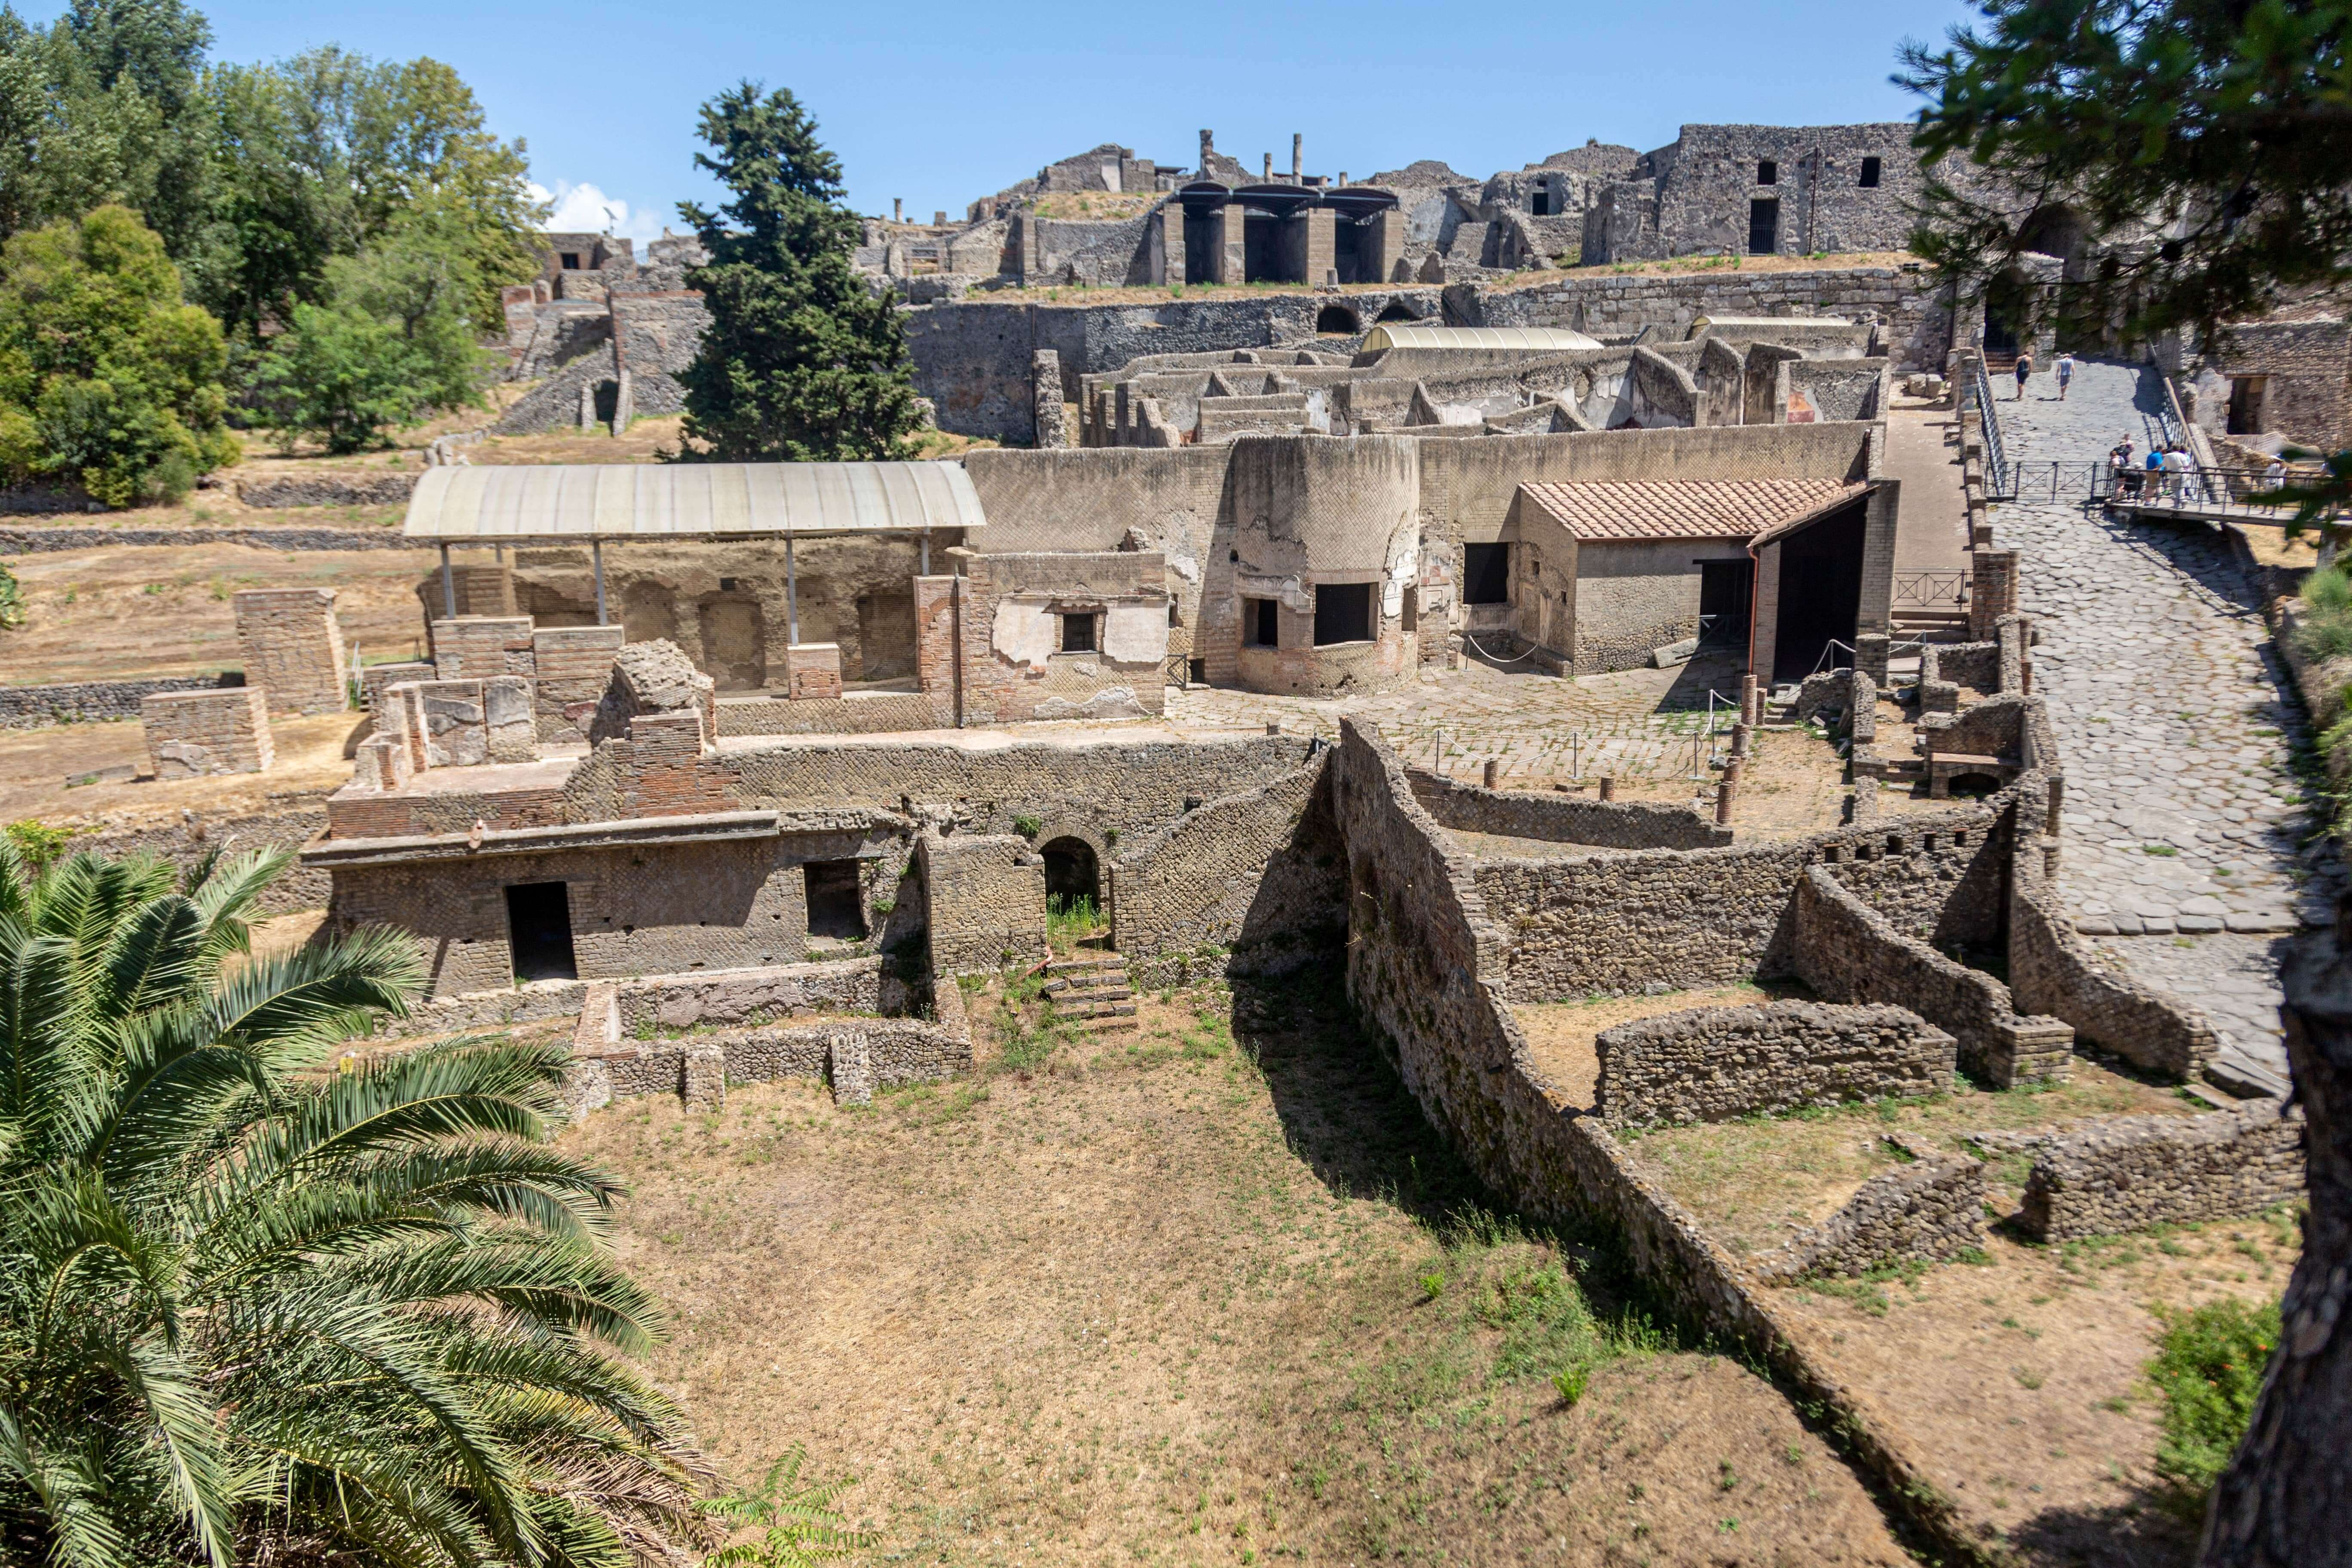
(392,343)
(106,375)
(259,1302)
(796,1522)
(802,361)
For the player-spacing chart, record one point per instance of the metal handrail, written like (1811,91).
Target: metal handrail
(1988,420)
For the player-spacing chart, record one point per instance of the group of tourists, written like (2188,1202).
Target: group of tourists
(2065,368)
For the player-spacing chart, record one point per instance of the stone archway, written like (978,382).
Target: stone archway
(1337,320)
(1072,872)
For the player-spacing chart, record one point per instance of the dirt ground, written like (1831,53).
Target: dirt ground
(2022,1376)
(129,611)
(74,774)
(1561,1035)
(1755,1180)
(1168,1296)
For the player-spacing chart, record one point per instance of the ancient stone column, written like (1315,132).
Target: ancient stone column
(1045,388)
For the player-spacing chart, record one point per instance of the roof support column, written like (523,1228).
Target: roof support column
(925,567)
(792,596)
(448,586)
(597,555)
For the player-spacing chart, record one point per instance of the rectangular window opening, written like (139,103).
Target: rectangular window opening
(572,261)
(1486,573)
(1764,225)
(1343,613)
(1262,622)
(539,932)
(1411,620)
(835,906)
(1196,670)
(1767,173)
(1078,633)
(1870,169)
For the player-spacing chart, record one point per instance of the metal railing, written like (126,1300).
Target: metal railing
(1931,590)
(1989,416)
(2210,491)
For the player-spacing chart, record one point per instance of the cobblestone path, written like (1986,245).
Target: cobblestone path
(2186,826)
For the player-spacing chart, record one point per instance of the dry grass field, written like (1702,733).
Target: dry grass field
(1208,1292)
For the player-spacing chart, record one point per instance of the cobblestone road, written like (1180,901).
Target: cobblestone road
(2186,829)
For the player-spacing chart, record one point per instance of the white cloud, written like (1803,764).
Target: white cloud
(585,208)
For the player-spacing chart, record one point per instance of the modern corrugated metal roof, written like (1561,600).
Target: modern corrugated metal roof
(491,503)
(1606,511)
(1534,340)
(1762,323)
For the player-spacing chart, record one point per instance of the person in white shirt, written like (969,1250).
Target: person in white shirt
(2065,374)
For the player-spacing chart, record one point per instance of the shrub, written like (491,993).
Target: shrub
(12,600)
(2208,1365)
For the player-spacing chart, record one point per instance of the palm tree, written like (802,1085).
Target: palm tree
(258,1304)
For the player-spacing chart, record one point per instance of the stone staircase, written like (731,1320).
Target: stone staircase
(1091,990)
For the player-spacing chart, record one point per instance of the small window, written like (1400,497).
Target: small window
(1486,574)
(1079,632)
(726,584)
(1869,167)
(1767,173)
(539,932)
(572,261)
(836,905)
(1343,613)
(1262,622)
(1410,620)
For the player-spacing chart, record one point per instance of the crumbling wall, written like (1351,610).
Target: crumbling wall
(1928,1210)
(2125,1173)
(1713,1063)
(1558,819)
(191,733)
(984,901)
(292,648)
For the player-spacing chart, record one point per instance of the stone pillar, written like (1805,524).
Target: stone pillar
(1322,250)
(192,733)
(1045,389)
(812,669)
(1385,244)
(1171,241)
(293,648)
(1231,263)
(1608,787)
(1493,772)
(1298,157)
(1870,656)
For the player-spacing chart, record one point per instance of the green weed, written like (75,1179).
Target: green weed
(2208,1365)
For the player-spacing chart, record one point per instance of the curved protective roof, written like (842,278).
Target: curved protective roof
(1534,339)
(490,504)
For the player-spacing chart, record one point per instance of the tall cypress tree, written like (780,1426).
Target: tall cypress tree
(802,362)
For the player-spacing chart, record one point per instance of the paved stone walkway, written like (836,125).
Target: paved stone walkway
(2186,826)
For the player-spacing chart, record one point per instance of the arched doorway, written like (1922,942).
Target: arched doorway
(1337,320)
(1396,312)
(1071,873)
(2008,313)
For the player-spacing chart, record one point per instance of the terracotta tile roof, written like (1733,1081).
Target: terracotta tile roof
(1606,510)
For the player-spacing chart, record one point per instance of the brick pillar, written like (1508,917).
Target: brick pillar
(292,646)
(936,647)
(191,733)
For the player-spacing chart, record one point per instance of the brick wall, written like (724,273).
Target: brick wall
(569,666)
(190,733)
(1712,1064)
(475,648)
(292,648)
(984,897)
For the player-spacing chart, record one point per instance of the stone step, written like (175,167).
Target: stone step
(1117,993)
(1097,1010)
(1075,965)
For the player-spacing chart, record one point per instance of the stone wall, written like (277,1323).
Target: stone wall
(1927,1210)
(1848,952)
(984,901)
(727,998)
(191,733)
(83,701)
(296,817)
(1256,874)
(293,647)
(1713,1063)
(327,487)
(2127,1173)
(1557,818)
(2054,971)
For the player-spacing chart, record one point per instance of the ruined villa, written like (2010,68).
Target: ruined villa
(1501,629)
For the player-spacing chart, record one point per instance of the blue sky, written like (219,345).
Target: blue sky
(942,103)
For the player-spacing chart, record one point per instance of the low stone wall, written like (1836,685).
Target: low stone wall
(44,540)
(193,733)
(1255,875)
(82,702)
(1712,1064)
(2052,970)
(1559,818)
(857,1056)
(328,488)
(874,715)
(1848,952)
(736,996)
(2128,1172)
(1928,1210)
(1945,667)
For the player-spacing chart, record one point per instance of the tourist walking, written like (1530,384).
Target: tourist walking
(2123,475)
(2024,369)
(2065,374)
(2152,473)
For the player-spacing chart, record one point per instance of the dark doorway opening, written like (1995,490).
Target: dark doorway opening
(2009,313)
(608,401)
(1337,320)
(1539,201)
(1395,312)
(1871,168)
(1486,573)
(1343,613)
(1260,248)
(1202,231)
(1262,622)
(1972,787)
(2246,404)
(1354,255)
(1724,592)
(836,907)
(1071,873)
(1821,594)
(539,932)
(1764,226)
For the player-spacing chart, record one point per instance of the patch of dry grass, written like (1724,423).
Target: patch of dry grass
(1187,1295)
